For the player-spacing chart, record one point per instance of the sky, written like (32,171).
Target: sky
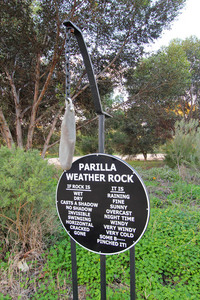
(185,25)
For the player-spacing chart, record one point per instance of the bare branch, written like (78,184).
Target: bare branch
(105,69)
(86,123)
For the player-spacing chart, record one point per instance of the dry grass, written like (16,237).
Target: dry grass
(19,278)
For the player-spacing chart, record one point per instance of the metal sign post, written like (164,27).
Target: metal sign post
(74,270)
(101,120)
(132,273)
(101,133)
(101,201)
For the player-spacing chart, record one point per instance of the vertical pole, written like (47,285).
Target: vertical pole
(74,270)
(132,273)
(101,133)
(102,257)
(103,276)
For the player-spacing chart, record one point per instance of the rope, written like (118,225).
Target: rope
(67,66)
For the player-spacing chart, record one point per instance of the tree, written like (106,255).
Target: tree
(155,88)
(26,46)
(167,83)
(32,43)
(160,79)
(139,131)
(190,103)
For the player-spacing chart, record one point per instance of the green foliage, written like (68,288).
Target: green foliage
(161,77)
(191,47)
(167,256)
(146,165)
(27,188)
(154,86)
(183,192)
(3,297)
(184,148)
(163,173)
(32,50)
(161,88)
(87,144)
(167,261)
(141,131)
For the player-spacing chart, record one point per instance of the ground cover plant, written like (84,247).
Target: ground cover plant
(167,256)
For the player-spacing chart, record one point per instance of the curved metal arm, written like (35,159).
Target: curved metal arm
(88,66)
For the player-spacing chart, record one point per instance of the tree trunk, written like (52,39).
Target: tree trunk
(5,130)
(46,144)
(35,106)
(145,156)
(38,98)
(19,127)
(17,110)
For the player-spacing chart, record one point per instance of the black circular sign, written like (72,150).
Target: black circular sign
(103,204)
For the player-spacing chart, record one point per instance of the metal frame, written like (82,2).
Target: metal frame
(101,114)
(88,65)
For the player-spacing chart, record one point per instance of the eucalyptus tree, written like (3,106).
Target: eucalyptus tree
(30,51)
(155,87)
(32,56)
(190,103)
(162,88)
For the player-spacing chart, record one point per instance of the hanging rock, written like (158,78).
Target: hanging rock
(68,137)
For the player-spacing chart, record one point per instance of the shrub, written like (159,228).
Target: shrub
(87,144)
(27,189)
(184,148)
